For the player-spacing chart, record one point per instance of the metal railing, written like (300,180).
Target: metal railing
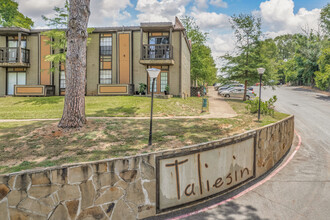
(11,55)
(157,52)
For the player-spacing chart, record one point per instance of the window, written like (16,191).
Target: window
(163,81)
(62,79)
(105,59)
(106,45)
(15,78)
(13,45)
(105,77)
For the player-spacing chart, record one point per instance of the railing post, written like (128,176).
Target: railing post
(19,48)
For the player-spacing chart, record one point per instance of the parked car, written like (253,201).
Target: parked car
(230,86)
(238,92)
(216,86)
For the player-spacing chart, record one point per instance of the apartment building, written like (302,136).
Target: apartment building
(117,60)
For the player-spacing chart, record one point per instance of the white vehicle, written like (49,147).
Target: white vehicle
(225,87)
(238,92)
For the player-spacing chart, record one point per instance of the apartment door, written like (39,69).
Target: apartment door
(160,83)
(15,78)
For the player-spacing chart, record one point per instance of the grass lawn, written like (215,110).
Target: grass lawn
(98,106)
(26,145)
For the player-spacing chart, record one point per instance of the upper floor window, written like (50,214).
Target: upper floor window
(159,38)
(106,44)
(13,41)
(105,75)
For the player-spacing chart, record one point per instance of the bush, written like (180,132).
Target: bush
(266,107)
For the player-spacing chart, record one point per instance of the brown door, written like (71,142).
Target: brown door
(160,82)
(124,59)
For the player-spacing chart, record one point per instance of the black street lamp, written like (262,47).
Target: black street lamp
(260,71)
(153,73)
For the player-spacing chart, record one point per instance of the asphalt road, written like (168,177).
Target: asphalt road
(301,190)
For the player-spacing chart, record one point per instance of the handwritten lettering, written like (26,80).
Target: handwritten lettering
(176,164)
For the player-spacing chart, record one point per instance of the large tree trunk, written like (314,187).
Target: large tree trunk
(74,105)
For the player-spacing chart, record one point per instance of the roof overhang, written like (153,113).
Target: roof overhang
(156,26)
(4,31)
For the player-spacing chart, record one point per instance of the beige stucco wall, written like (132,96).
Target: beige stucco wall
(32,73)
(2,70)
(185,67)
(174,81)
(93,61)
(123,188)
(139,70)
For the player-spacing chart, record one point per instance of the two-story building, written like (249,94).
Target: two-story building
(117,59)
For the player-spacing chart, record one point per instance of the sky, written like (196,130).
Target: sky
(278,16)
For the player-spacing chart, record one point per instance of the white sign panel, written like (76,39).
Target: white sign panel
(199,174)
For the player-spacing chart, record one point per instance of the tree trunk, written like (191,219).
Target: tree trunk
(74,105)
(245,89)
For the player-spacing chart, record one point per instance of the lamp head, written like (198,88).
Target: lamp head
(153,72)
(261,71)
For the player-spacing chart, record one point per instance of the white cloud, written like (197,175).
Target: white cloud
(201,3)
(109,12)
(163,10)
(35,8)
(278,17)
(211,20)
(220,45)
(219,3)
(103,12)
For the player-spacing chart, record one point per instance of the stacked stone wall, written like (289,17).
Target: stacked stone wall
(116,188)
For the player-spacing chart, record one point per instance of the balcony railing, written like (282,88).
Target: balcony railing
(157,52)
(11,55)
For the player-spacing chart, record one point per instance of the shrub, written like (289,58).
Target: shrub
(142,88)
(266,107)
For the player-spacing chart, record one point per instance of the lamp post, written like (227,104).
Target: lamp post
(260,71)
(153,73)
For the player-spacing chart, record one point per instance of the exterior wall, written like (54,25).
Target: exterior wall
(45,49)
(185,68)
(2,70)
(139,70)
(32,73)
(174,78)
(125,188)
(114,58)
(93,64)
(2,81)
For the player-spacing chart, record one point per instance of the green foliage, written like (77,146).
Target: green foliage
(322,78)
(325,18)
(203,68)
(57,36)
(142,87)
(11,17)
(243,65)
(266,107)
(167,88)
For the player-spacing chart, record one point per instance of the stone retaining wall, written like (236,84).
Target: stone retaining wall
(117,188)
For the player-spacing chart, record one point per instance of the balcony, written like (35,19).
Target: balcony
(157,54)
(14,57)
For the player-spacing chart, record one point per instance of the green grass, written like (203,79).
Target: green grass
(251,119)
(31,144)
(98,106)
